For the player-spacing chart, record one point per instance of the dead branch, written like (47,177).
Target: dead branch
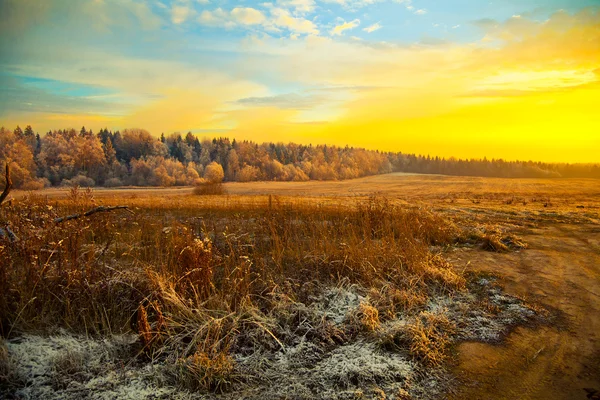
(8,184)
(92,211)
(7,233)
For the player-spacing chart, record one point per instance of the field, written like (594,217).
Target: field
(394,286)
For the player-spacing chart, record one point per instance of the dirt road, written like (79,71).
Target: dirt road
(560,270)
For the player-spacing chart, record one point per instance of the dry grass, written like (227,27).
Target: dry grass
(202,279)
(4,361)
(501,243)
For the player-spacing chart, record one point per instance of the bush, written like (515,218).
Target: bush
(36,184)
(209,189)
(113,182)
(79,180)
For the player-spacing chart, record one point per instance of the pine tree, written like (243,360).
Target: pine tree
(18,132)
(189,139)
(29,131)
(109,153)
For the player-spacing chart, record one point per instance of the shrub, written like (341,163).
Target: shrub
(79,180)
(113,182)
(36,184)
(209,189)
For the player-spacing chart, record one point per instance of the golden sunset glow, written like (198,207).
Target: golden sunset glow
(522,87)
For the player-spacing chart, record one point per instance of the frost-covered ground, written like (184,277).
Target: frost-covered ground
(64,366)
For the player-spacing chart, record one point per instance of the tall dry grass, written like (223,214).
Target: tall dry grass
(198,284)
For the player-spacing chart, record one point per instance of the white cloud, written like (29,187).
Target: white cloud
(283,19)
(247,16)
(299,6)
(421,11)
(373,28)
(339,29)
(180,14)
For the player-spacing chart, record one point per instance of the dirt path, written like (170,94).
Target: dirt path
(560,270)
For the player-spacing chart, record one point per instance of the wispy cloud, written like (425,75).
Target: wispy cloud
(284,101)
(277,19)
(299,6)
(352,5)
(376,26)
(230,19)
(339,29)
(408,4)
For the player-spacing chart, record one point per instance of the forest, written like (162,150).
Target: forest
(134,157)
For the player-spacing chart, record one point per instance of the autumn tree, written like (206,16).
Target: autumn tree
(213,173)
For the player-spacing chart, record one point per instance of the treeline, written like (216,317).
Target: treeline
(135,157)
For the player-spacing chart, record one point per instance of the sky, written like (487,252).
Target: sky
(510,79)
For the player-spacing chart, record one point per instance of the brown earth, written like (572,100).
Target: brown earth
(560,270)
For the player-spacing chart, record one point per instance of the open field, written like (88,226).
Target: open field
(399,185)
(313,289)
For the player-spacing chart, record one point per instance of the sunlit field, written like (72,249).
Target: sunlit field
(313,289)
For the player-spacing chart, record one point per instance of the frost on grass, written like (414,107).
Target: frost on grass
(344,372)
(70,367)
(485,313)
(354,365)
(337,303)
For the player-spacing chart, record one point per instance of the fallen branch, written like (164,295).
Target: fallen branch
(8,184)
(7,233)
(92,211)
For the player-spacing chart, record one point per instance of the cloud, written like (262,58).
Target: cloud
(284,101)
(217,17)
(106,14)
(521,27)
(339,29)
(376,26)
(352,5)
(278,19)
(520,83)
(283,19)
(180,14)
(247,16)
(410,7)
(41,96)
(141,11)
(299,6)
(244,16)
